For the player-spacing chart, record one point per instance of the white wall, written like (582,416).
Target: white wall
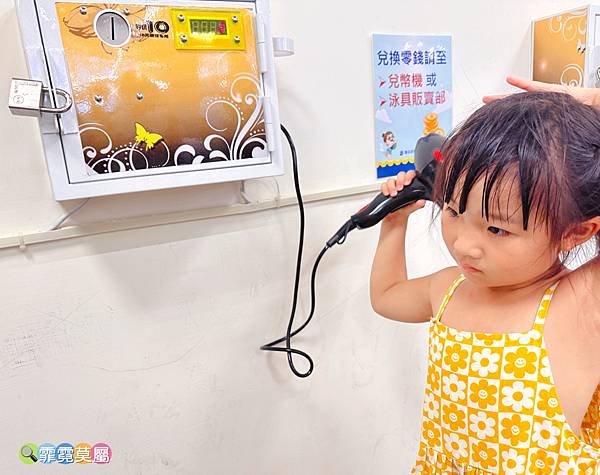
(148,339)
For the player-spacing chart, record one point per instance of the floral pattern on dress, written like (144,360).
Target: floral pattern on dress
(491,406)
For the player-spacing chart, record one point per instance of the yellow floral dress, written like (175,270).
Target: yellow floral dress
(491,407)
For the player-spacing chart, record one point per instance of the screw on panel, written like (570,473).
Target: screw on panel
(125,11)
(237,39)
(139,96)
(98,99)
(183,39)
(83,10)
(180,17)
(234,18)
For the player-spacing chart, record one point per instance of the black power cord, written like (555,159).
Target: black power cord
(427,154)
(289,333)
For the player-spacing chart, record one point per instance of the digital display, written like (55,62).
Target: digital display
(204,27)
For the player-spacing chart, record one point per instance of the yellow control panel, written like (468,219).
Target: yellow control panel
(209,29)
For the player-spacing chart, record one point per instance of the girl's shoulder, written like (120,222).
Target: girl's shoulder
(582,285)
(578,295)
(443,279)
(441,282)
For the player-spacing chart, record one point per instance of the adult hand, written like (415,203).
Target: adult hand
(590,96)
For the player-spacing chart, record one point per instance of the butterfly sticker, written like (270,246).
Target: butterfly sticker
(149,138)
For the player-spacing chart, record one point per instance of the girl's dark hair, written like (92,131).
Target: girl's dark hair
(548,142)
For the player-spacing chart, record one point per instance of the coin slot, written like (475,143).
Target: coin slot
(112,28)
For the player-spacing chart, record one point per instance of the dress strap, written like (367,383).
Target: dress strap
(449,293)
(542,311)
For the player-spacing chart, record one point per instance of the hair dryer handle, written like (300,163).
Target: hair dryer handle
(383,205)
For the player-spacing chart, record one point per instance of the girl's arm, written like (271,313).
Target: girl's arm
(392,294)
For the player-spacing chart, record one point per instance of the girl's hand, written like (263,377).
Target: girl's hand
(391,188)
(589,96)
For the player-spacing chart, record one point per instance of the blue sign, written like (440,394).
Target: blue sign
(412,78)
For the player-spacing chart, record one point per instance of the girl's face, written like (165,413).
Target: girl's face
(390,140)
(498,252)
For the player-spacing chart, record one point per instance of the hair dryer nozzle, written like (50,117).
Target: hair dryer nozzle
(427,156)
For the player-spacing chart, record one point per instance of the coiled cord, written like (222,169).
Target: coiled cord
(289,333)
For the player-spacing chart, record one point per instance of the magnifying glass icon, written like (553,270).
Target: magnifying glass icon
(27,452)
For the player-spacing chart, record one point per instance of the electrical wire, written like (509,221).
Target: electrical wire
(66,216)
(243,192)
(289,333)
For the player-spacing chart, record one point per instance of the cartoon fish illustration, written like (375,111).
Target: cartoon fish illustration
(149,138)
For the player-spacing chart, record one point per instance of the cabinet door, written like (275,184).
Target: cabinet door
(559,48)
(592,74)
(162,89)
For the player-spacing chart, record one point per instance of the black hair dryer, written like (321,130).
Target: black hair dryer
(427,156)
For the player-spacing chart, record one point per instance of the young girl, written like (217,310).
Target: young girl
(513,383)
